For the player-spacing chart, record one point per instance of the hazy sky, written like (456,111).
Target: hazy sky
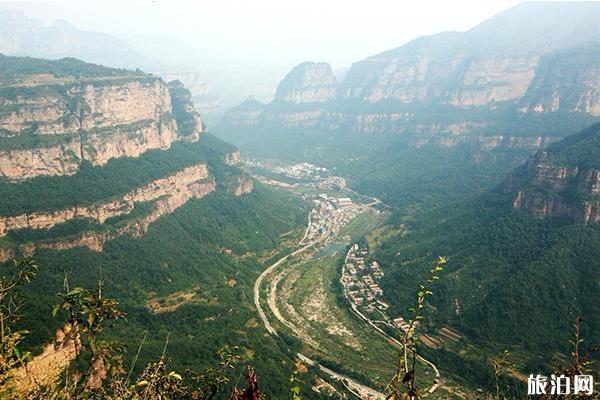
(278,32)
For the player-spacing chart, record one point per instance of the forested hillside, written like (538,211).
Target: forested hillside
(110,175)
(516,278)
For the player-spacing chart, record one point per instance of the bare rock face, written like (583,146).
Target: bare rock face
(307,83)
(562,181)
(169,186)
(49,125)
(456,85)
(190,78)
(494,62)
(244,186)
(461,80)
(45,369)
(39,107)
(233,158)
(167,194)
(6,253)
(566,80)
(95,240)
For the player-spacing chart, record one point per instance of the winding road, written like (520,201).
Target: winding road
(398,344)
(358,389)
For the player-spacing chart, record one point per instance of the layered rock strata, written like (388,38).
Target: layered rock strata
(171,187)
(86,120)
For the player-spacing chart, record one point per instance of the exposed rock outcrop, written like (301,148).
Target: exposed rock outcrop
(308,82)
(455,83)
(233,158)
(172,187)
(6,253)
(98,148)
(166,205)
(45,369)
(460,80)
(47,105)
(49,125)
(244,186)
(562,181)
(567,80)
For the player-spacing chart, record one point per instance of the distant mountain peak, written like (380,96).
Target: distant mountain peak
(308,82)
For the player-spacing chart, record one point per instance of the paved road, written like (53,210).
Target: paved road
(359,390)
(436,384)
(266,272)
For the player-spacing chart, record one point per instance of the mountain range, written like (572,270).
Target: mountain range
(500,83)
(485,145)
(481,146)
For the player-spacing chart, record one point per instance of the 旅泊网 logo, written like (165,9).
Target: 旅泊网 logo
(560,385)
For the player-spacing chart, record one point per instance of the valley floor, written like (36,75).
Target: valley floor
(300,295)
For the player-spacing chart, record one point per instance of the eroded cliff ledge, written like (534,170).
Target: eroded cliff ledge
(562,181)
(49,125)
(492,80)
(166,195)
(308,82)
(244,186)
(552,191)
(168,186)
(95,240)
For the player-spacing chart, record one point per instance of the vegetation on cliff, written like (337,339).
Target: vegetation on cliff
(514,280)
(13,69)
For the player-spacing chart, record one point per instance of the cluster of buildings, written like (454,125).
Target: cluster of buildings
(332,183)
(360,280)
(329,215)
(308,174)
(301,171)
(401,324)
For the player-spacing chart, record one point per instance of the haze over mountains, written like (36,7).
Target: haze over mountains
(445,87)
(163,55)
(29,37)
(482,146)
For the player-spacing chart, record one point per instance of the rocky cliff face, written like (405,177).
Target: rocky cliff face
(473,82)
(461,80)
(492,63)
(166,195)
(169,186)
(566,80)
(233,158)
(562,181)
(55,115)
(244,186)
(50,125)
(307,83)
(81,104)
(95,240)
